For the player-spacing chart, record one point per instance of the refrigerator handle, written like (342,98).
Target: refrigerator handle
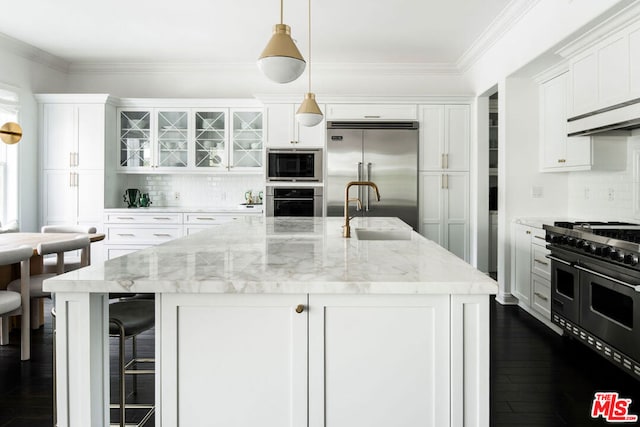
(367,188)
(360,173)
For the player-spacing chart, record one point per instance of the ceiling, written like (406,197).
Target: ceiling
(235,31)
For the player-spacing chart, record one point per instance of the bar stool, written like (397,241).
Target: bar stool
(127,319)
(74,261)
(17,303)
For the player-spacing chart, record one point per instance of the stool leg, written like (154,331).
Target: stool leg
(134,353)
(123,393)
(55,375)
(4,330)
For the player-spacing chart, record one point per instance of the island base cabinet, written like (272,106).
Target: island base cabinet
(234,360)
(323,360)
(378,361)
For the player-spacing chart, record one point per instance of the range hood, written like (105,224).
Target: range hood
(618,119)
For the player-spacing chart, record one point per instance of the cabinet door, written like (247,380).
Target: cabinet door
(431,207)
(613,71)
(634,62)
(89,186)
(280,125)
(59,197)
(521,263)
(172,139)
(210,139)
(134,135)
(457,137)
(379,360)
(432,136)
(456,214)
(553,121)
(584,86)
(246,151)
(59,135)
(541,295)
(250,364)
(91,136)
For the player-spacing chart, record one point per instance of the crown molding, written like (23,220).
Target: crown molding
(32,53)
(380,69)
(552,72)
(73,98)
(507,18)
(614,24)
(329,98)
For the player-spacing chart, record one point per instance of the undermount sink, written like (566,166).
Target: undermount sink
(368,234)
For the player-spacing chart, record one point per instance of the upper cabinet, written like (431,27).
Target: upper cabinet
(283,130)
(605,74)
(444,137)
(372,112)
(191,140)
(557,151)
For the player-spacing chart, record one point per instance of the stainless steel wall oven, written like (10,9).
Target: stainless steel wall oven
(595,280)
(293,201)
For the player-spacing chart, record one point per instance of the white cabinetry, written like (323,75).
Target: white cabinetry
(444,176)
(129,232)
(606,73)
(559,152)
(318,360)
(444,210)
(444,137)
(72,137)
(531,271)
(196,222)
(371,112)
(283,130)
(190,139)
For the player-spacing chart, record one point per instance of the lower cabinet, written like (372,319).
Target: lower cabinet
(318,360)
(531,270)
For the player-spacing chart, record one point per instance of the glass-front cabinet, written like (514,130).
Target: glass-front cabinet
(190,140)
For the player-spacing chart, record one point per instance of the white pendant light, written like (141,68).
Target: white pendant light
(281,60)
(309,113)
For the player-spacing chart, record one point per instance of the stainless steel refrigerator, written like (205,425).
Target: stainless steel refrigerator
(383,152)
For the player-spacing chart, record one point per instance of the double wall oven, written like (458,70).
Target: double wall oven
(286,170)
(595,281)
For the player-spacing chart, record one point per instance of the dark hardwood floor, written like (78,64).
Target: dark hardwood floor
(537,377)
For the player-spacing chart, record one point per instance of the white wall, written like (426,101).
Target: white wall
(605,195)
(28,76)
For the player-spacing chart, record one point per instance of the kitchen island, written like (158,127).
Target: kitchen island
(283,322)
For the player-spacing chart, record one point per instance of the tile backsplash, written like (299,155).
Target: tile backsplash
(216,191)
(607,195)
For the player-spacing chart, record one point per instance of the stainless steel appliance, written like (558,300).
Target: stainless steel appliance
(595,280)
(383,152)
(293,164)
(293,201)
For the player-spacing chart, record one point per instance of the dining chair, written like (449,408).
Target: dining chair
(17,303)
(72,261)
(59,248)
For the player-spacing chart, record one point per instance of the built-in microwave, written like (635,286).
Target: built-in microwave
(294,164)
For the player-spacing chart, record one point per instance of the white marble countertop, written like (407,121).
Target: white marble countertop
(284,255)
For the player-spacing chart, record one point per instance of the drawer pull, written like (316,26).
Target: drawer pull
(126,234)
(163,218)
(162,235)
(540,262)
(528,232)
(202,218)
(126,217)
(371,117)
(540,237)
(542,297)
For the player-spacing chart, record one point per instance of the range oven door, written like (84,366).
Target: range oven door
(607,308)
(294,201)
(565,286)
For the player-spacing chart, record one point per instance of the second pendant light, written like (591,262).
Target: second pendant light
(309,113)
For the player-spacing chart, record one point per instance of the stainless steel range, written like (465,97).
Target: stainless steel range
(595,281)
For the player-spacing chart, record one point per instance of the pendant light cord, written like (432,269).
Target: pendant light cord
(309,45)
(281,11)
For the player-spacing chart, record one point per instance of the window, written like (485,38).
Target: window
(8,160)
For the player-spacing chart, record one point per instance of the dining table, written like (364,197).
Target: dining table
(9,273)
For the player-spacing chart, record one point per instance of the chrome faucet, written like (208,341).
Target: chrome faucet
(346,228)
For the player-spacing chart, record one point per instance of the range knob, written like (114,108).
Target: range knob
(618,256)
(580,243)
(631,259)
(571,241)
(591,248)
(606,251)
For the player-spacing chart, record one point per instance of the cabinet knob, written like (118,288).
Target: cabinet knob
(300,308)
(562,160)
